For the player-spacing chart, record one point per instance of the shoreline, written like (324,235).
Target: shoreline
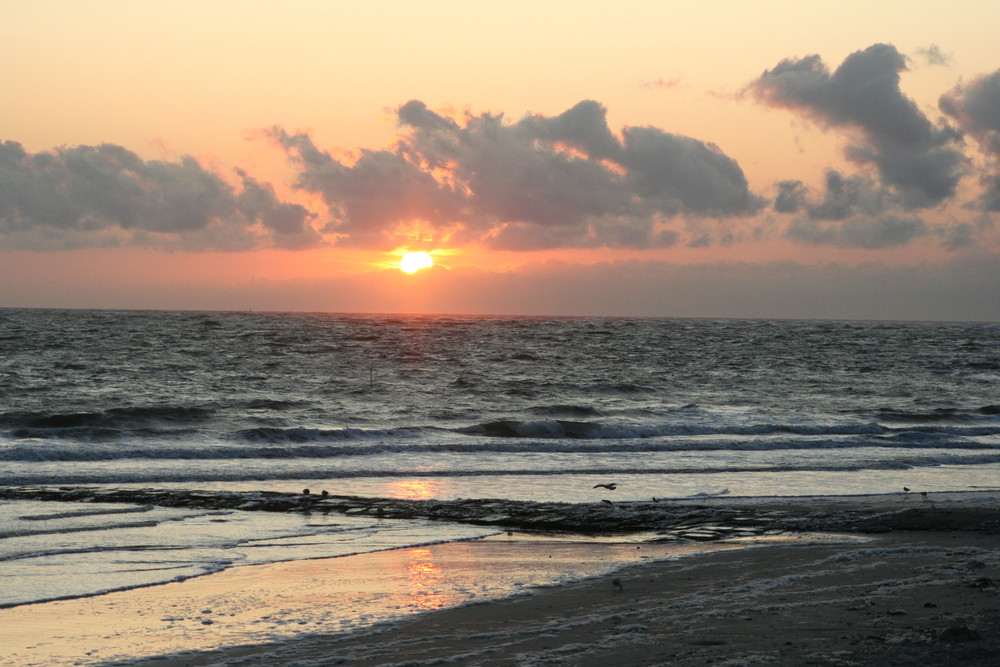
(914,582)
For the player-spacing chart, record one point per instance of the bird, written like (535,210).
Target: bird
(305,492)
(617,583)
(924,494)
(609,487)
(605,500)
(906,489)
(325,493)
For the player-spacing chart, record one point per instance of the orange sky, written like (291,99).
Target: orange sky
(251,150)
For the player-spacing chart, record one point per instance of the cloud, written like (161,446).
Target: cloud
(920,161)
(858,232)
(791,196)
(933,55)
(103,195)
(663,84)
(541,182)
(846,196)
(976,108)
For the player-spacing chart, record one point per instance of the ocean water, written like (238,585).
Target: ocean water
(453,407)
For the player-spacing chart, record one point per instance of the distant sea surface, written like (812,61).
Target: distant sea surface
(458,407)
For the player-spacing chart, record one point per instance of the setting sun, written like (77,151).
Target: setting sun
(414,261)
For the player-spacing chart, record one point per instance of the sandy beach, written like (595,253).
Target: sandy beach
(926,596)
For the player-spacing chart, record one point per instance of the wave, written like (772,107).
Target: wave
(566,411)
(943,415)
(172,429)
(184,475)
(111,418)
(276,435)
(301,443)
(558,428)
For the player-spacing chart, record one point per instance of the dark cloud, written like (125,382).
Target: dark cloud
(920,160)
(541,182)
(976,108)
(958,236)
(854,212)
(858,232)
(683,175)
(107,195)
(933,55)
(846,196)
(791,196)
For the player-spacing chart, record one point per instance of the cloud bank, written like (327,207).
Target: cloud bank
(541,182)
(545,181)
(106,195)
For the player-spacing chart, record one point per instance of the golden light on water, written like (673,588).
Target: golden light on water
(425,577)
(414,489)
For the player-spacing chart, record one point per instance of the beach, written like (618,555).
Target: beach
(912,583)
(281,488)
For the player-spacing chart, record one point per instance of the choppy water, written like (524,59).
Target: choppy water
(448,407)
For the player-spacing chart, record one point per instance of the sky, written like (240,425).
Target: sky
(769,159)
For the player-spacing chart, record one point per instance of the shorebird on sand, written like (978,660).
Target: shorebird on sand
(609,487)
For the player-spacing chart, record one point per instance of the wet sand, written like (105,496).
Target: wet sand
(264,603)
(901,599)
(914,584)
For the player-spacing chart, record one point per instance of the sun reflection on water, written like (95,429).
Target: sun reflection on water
(415,489)
(425,577)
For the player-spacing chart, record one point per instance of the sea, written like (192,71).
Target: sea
(449,407)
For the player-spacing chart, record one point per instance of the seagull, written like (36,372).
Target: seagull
(609,487)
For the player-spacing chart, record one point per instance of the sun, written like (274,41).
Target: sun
(414,261)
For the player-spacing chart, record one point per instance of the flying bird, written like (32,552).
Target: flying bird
(609,487)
